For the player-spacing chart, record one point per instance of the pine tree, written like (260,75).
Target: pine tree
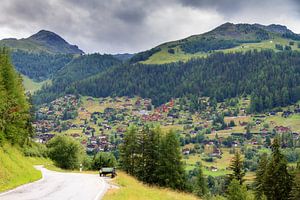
(237,167)
(170,171)
(295,193)
(14,109)
(259,183)
(236,191)
(151,155)
(128,151)
(202,189)
(278,182)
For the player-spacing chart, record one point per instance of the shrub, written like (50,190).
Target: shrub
(66,152)
(103,159)
(171,51)
(35,150)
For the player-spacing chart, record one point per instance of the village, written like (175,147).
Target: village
(209,132)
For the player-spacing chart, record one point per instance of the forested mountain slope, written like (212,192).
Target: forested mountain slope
(273,79)
(41,66)
(78,69)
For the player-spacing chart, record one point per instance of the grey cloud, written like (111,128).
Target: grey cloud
(113,26)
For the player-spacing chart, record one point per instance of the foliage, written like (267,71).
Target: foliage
(78,69)
(103,159)
(295,193)
(34,149)
(201,188)
(237,167)
(272,178)
(236,191)
(143,55)
(153,157)
(15,120)
(259,183)
(65,151)
(40,66)
(272,79)
(207,44)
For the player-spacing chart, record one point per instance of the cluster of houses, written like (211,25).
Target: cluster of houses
(52,117)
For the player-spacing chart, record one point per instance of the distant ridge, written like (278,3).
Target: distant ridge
(42,41)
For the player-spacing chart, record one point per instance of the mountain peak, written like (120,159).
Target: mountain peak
(54,42)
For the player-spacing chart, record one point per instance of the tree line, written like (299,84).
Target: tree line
(15,118)
(39,66)
(153,157)
(272,79)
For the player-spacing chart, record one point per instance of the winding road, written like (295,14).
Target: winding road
(60,186)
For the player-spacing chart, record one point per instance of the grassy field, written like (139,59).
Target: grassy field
(15,169)
(293,121)
(164,56)
(131,189)
(32,86)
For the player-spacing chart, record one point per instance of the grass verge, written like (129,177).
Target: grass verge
(15,168)
(131,189)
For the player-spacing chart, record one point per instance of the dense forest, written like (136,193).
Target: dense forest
(15,120)
(39,66)
(272,79)
(78,69)
(155,158)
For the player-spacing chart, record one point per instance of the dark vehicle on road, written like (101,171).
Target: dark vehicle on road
(108,170)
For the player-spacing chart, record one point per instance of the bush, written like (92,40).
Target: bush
(35,150)
(66,152)
(171,51)
(103,159)
(288,48)
(279,47)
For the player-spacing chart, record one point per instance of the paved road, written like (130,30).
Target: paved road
(60,186)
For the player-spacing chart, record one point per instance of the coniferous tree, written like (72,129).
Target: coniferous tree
(236,191)
(151,151)
(260,177)
(278,181)
(237,167)
(170,171)
(201,188)
(295,193)
(128,151)
(14,109)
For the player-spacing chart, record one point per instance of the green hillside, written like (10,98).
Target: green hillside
(31,85)
(227,38)
(15,168)
(43,41)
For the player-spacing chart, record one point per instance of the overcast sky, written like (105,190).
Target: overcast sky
(119,26)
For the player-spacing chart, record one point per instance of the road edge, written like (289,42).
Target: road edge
(38,167)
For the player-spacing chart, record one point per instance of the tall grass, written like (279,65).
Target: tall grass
(131,189)
(15,168)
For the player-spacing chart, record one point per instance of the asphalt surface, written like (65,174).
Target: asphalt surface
(60,186)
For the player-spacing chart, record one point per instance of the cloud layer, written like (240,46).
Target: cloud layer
(116,26)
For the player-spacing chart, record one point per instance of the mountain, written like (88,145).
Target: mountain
(228,37)
(272,78)
(123,56)
(198,65)
(43,41)
(78,69)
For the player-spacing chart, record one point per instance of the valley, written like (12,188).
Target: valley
(200,117)
(210,135)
